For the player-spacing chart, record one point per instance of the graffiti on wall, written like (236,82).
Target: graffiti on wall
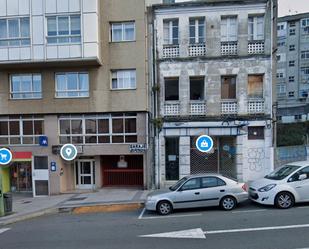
(256,158)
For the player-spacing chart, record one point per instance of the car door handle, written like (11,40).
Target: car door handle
(298,187)
(197,193)
(222,190)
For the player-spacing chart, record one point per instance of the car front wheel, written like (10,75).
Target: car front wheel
(228,203)
(164,208)
(284,200)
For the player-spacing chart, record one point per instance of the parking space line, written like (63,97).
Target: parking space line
(169,216)
(142,213)
(249,211)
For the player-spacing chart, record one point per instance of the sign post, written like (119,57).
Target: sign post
(5,158)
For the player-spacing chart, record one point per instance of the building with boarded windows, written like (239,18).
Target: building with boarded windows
(213,76)
(73,71)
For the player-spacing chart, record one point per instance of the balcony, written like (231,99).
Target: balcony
(229,48)
(256,106)
(228,106)
(170,51)
(197,50)
(172,109)
(256,47)
(197,108)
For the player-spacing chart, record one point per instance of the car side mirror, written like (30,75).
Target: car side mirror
(302,177)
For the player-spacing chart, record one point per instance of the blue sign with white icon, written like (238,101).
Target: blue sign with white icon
(53,166)
(43,141)
(5,156)
(204,143)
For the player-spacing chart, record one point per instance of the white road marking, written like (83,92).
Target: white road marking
(170,216)
(257,229)
(185,234)
(142,213)
(4,230)
(249,211)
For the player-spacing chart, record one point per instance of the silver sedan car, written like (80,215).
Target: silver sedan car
(198,191)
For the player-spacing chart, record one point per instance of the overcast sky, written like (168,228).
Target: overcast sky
(292,7)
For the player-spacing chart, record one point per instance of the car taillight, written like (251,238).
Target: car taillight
(244,187)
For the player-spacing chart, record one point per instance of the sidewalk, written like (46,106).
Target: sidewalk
(107,199)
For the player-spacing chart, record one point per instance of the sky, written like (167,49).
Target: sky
(292,7)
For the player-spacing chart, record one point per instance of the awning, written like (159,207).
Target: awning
(21,156)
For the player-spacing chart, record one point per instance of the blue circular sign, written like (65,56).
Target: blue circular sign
(5,156)
(204,143)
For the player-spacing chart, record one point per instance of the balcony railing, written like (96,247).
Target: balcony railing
(256,47)
(229,106)
(197,108)
(197,49)
(171,109)
(170,51)
(256,106)
(229,48)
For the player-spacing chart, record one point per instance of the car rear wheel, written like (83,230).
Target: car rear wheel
(228,203)
(284,200)
(164,208)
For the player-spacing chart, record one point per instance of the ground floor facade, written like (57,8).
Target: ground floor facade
(112,151)
(242,150)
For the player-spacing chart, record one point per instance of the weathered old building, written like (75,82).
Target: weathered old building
(213,75)
(73,71)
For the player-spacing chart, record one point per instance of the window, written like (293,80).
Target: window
(26,86)
(170,32)
(210,182)
(292,24)
(255,86)
(197,88)
(171,89)
(292,47)
(255,28)
(280,74)
(303,171)
(70,85)
(123,79)
(280,43)
(291,78)
(63,29)
(304,55)
(305,22)
(194,183)
(291,94)
(304,72)
(123,31)
(278,57)
(297,117)
(15,32)
(228,87)
(197,30)
(281,29)
(255,132)
(98,129)
(292,32)
(281,90)
(291,63)
(21,130)
(228,29)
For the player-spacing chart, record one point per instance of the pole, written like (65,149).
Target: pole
(1,196)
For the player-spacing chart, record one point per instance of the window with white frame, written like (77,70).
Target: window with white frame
(304,72)
(21,130)
(15,32)
(305,22)
(122,31)
(170,32)
(280,74)
(228,29)
(123,79)
(70,85)
(281,29)
(63,29)
(98,129)
(25,86)
(197,30)
(281,90)
(255,28)
(304,55)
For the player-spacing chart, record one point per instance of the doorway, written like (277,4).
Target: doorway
(85,174)
(21,177)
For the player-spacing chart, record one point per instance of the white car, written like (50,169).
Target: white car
(283,187)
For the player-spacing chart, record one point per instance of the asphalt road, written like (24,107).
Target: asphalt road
(247,227)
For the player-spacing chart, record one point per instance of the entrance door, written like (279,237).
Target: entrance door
(172,158)
(40,176)
(21,179)
(85,174)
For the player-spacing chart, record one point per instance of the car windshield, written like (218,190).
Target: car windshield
(178,184)
(282,172)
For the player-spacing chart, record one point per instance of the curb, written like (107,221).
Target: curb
(29,216)
(112,207)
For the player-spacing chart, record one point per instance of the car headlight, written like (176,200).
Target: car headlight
(150,198)
(267,188)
